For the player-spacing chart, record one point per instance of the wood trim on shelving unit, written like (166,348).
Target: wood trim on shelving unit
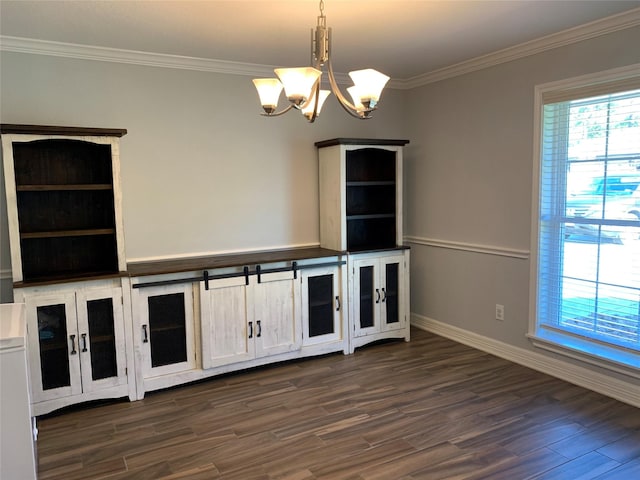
(360,141)
(57,130)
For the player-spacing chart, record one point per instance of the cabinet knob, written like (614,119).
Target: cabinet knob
(337,303)
(84,342)
(259,329)
(384,295)
(145,337)
(250,329)
(377,295)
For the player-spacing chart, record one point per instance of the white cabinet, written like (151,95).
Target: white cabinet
(361,213)
(227,327)
(76,344)
(360,193)
(17,453)
(323,307)
(276,305)
(248,317)
(196,318)
(163,330)
(64,203)
(379,291)
(64,210)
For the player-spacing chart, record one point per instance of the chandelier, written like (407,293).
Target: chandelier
(302,85)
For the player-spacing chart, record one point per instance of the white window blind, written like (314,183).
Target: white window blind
(588,269)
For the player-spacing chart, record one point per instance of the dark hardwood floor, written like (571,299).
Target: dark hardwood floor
(428,409)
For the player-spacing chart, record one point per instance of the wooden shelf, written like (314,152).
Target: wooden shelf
(61,188)
(168,328)
(47,345)
(321,303)
(370,216)
(101,339)
(371,183)
(69,233)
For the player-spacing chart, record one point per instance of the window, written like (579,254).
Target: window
(586,274)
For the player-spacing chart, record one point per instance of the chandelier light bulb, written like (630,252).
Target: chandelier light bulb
(307,110)
(298,82)
(269,92)
(370,83)
(360,108)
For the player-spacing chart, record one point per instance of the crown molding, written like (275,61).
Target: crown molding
(614,23)
(628,19)
(103,54)
(134,57)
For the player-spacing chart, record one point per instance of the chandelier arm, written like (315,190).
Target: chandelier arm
(315,92)
(344,103)
(276,114)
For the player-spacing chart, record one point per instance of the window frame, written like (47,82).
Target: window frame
(614,358)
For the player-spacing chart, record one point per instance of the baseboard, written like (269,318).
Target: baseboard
(583,377)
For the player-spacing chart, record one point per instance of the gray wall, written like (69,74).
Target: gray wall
(469,175)
(202,171)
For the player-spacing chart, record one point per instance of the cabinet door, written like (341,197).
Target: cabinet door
(101,338)
(166,329)
(366,297)
(321,306)
(227,331)
(392,302)
(53,346)
(276,322)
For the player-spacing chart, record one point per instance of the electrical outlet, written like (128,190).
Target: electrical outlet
(499,312)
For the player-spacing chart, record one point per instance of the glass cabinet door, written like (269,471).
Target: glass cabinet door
(321,306)
(390,293)
(366,300)
(392,308)
(52,334)
(165,330)
(367,296)
(53,346)
(378,294)
(101,338)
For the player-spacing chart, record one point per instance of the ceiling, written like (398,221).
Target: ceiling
(402,38)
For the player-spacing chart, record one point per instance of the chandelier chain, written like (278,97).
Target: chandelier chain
(322,8)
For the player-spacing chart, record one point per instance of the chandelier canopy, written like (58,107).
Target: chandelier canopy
(302,85)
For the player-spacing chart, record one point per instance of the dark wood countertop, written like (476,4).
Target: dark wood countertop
(160,267)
